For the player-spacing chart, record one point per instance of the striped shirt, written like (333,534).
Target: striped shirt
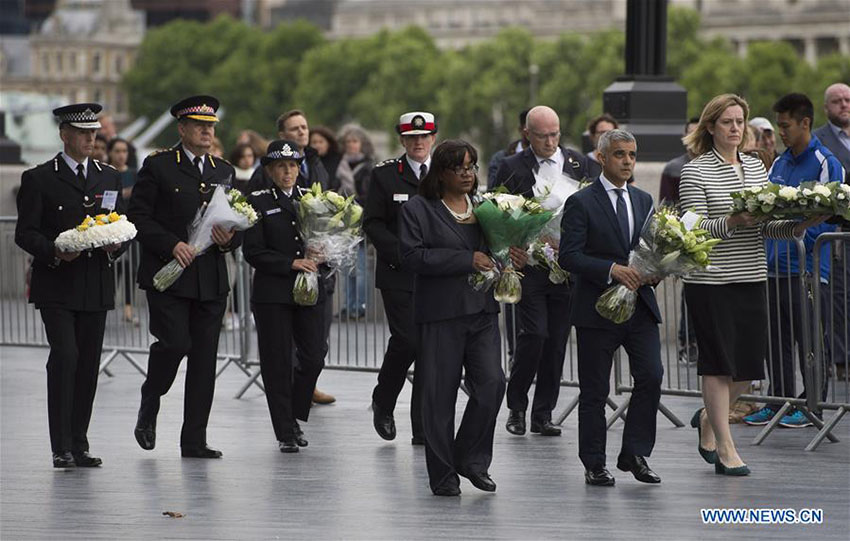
(707,184)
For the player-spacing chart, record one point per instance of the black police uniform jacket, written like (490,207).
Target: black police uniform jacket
(167,195)
(51,200)
(393,183)
(273,244)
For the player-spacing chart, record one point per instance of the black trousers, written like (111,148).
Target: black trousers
(446,349)
(838,321)
(76,341)
(183,327)
(279,326)
(543,328)
(400,354)
(639,337)
(786,327)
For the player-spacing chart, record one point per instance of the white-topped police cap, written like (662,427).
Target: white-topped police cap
(416,123)
(79,115)
(282,149)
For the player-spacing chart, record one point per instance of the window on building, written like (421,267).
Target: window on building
(59,63)
(98,95)
(95,63)
(119,64)
(45,63)
(72,63)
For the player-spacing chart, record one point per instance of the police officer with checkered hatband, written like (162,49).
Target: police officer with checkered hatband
(392,184)
(72,290)
(276,250)
(186,318)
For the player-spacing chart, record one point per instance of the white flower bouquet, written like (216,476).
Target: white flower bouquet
(669,246)
(229,210)
(507,220)
(102,230)
(810,198)
(330,225)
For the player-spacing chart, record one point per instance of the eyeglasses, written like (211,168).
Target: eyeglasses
(544,136)
(460,171)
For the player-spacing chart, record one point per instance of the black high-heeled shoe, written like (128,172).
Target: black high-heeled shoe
(738,471)
(708,456)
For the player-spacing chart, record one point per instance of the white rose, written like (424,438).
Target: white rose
(770,198)
(822,190)
(807,192)
(788,192)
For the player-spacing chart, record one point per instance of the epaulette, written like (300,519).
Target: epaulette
(98,163)
(159,151)
(261,192)
(391,161)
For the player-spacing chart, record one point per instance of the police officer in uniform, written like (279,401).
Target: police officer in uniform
(185,318)
(392,184)
(71,290)
(542,315)
(275,249)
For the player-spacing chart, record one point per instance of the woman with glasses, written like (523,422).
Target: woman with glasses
(442,243)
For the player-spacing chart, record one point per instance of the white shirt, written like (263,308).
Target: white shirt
(72,163)
(417,166)
(192,159)
(549,170)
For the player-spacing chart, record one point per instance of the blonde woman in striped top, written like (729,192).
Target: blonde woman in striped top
(728,302)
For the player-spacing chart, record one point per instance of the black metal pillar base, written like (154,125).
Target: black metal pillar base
(654,109)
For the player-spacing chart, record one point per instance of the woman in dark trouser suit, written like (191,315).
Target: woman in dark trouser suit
(441,242)
(275,249)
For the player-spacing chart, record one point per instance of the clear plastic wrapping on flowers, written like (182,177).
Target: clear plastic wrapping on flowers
(305,291)
(228,209)
(484,280)
(330,226)
(669,246)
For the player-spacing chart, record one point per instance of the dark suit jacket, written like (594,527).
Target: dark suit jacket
(591,242)
(517,175)
(828,138)
(517,172)
(272,245)
(52,200)
(392,184)
(434,248)
(165,199)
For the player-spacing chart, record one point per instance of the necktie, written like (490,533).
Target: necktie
(423,170)
(623,216)
(304,170)
(197,162)
(81,174)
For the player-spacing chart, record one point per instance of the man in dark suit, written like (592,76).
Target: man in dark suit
(185,318)
(601,225)
(514,147)
(835,135)
(542,328)
(71,290)
(392,184)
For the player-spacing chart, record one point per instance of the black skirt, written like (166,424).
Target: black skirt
(730,322)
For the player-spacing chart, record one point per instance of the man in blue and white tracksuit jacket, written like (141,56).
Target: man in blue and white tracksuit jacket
(805,159)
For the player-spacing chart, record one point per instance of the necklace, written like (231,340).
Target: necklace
(462,216)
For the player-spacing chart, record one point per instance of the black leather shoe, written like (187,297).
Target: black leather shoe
(417,439)
(63,460)
(516,422)
(639,468)
(145,433)
(288,445)
(481,480)
(300,440)
(599,477)
(545,428)
(446,491)
(84,460)
(200,452)
(383,422)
